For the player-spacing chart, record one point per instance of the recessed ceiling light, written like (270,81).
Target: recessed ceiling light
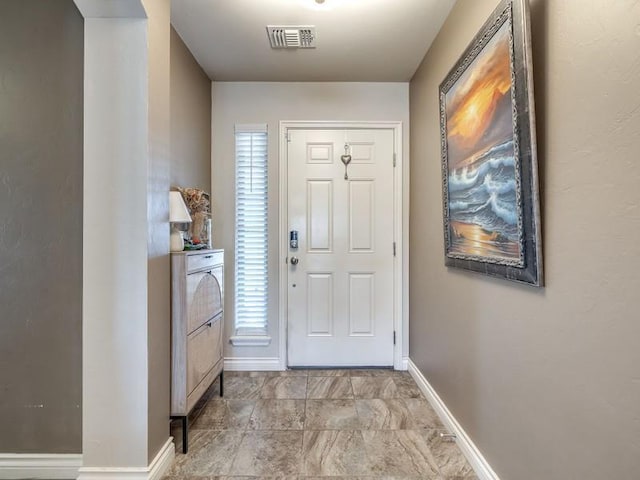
(318,5)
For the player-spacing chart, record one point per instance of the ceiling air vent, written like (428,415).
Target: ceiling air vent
(292,36)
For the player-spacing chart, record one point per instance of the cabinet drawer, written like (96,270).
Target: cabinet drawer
(206,260)
(205,349)
(204,297)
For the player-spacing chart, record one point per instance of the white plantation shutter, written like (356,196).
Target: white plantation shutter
(251,230)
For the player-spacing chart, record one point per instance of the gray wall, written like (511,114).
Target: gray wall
(159,272)
(41,105)
(190,119)
(546,382)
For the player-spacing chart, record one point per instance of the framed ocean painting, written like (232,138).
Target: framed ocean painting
(489,163)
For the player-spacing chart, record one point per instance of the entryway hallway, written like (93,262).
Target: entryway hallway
(317,423)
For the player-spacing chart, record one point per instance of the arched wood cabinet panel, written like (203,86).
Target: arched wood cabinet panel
(204,297)
(197,326)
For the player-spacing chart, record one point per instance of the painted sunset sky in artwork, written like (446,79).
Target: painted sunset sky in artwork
(483,219)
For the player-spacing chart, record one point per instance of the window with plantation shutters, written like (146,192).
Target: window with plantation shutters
(251,231)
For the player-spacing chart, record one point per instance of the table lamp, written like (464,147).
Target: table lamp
(178,213)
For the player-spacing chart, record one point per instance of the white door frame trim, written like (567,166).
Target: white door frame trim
(399,312)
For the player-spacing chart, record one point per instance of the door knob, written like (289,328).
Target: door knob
(294,260)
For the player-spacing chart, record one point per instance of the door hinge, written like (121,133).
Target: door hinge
(394,337)
(394,159)
(394,249)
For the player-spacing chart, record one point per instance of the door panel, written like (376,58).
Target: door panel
(340,293)
(362,216)
(320,215)
(361,305)
(320,304)
(319,152)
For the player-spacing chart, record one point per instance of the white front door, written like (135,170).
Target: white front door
(341,290)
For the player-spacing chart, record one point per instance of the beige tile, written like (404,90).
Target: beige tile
(408,477)
(401,374)
(329,387)
(406,446)
(194,477)
(278,415)
(262,477)
(371,372)
(224,414)
(399,452)
(244,388)
(270,373)
(384,414)
(423,414)
(228,374)
(293,372)
(367,477)
(334,453)
(374,387)
(352,477)
(333,372)
(331,415)
(407,387)
(191,477)
(284,387)
(210,453)
(269,453)
(447,456)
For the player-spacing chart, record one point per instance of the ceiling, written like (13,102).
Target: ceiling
(357,40)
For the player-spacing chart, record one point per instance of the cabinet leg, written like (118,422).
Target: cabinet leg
(185,431)
(221,383)
(185,434)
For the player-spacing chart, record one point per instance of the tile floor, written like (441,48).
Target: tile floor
(307,424)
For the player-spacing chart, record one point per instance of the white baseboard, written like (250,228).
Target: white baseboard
(49,466)
(480,465)
(155,471)
(240,364)
(405,363)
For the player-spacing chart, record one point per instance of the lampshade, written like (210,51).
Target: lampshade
(178,212)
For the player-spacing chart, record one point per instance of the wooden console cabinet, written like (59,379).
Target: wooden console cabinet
(197,328)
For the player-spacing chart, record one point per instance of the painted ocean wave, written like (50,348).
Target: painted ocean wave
(469,176)
(484,193)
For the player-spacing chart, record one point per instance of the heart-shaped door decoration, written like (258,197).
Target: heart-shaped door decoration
(346,159)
